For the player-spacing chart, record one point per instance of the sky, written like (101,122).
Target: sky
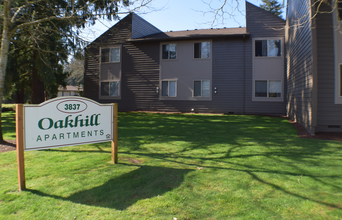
(176,15)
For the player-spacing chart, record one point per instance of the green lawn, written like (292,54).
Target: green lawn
(183,166)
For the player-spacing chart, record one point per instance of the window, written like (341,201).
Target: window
(110,88)
(268,48)
(202,88)
(169,51)
(339,10)
(268,88)
(169,88)
(110,55)
(202,50)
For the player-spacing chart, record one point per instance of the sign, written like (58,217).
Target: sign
(62,122)
(67,121)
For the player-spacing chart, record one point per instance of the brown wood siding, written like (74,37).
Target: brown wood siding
(299,63)
(328,113)
(113,36)
(91,73)
(261,23)
(140,76)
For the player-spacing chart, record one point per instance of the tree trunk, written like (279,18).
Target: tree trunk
(4,53)
(37,85)
(19,96)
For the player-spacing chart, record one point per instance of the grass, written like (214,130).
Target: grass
(183,166)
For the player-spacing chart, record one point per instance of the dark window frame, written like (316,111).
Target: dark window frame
(268,93)
(262,47)
(199,93)
(106,55)
(166,93)
(103,90)
(167,54)
(198,48)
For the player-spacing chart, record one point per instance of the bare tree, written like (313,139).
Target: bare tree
(76,69)
(228,9)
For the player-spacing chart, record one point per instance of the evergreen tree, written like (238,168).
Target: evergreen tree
(272,6)
(41,34)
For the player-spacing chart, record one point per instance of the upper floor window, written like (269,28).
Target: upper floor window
(268,48)
(339,10)
(169,51)
(110,55)
(202,50)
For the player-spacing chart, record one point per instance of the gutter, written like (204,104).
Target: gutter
(166,38)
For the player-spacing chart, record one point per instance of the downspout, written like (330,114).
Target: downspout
(244,75)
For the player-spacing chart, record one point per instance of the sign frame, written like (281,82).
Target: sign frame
(55,134)
(20,132)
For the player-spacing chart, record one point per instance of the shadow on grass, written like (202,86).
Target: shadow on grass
(125,190)
(8,124)
(253,145)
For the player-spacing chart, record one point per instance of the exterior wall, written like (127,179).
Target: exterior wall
(140,77)
(329,113)
(185,69)
(300,64)
(228,75)
(112,37)
(262,25)
(230,69)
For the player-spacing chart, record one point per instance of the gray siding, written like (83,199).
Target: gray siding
(300,64)
(231,71)
(141,28)
(261,23)
(228,63)
(185,69)
(328,113)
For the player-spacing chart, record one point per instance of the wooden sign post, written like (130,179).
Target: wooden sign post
(61,122)
(115,135)
(20,146)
